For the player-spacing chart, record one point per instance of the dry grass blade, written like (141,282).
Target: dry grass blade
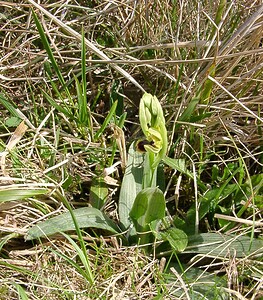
(14,139)
(239,220)
(89,45)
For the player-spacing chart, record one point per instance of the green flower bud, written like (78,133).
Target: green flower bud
(153,126)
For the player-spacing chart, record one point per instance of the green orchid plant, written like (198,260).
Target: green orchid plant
(142,206)
(147,210)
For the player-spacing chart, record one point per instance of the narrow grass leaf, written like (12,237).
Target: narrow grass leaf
(21,292)
(83,69)
(9,106)
(82,104)
(179,165)
(122,120)
(57,106)
(48,49)
(106,121)
(219,15)
(14,194)
(207,87)
(6,238)
(71,262)
(187,113)
(83,257)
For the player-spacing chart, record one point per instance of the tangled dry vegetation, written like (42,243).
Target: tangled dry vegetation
(177,50)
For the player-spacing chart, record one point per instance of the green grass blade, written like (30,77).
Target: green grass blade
(82,104)
(48,49)
(82,253)
(83,67)
(218,17)
(9,106)
(207,88)
(187,113)
(74,264)
(122,120)
(5,239)
(20,193)
(106,121)
(56,89)
(21,292)
(179,165)
(56,105)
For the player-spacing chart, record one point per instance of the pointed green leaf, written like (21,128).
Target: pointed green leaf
(187,113)
(87,217)
(131,185)
(19,193)
(106,121)
(218,244)
(179,165)
(48,49)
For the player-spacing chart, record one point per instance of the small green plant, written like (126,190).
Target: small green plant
(142,207)
(142,212)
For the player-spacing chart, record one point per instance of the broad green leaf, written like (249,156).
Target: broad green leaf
(176,238)
(131,185)
(149,206)
(98,192)
(204,285)
(218,244)
(147,210)
(87,217)
(19,193)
